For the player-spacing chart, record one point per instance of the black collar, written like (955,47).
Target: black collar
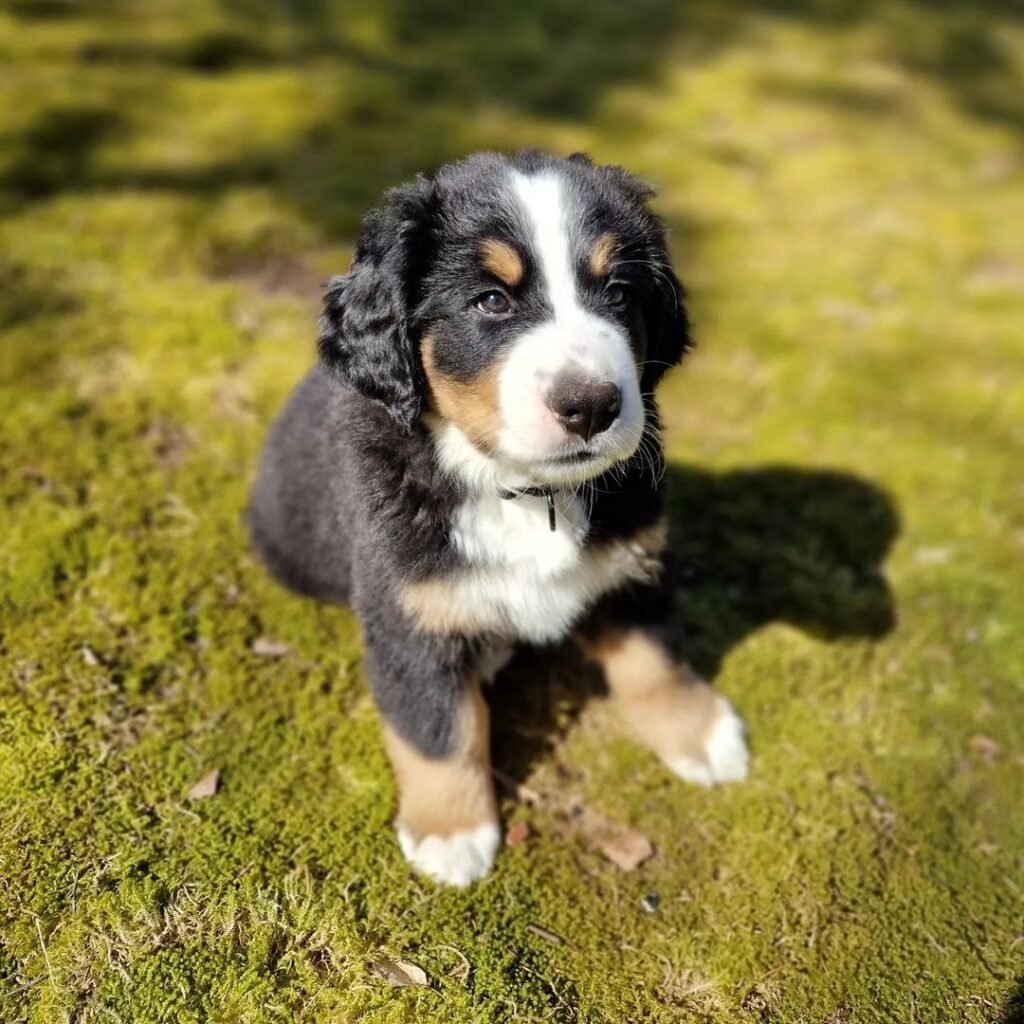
(534,492)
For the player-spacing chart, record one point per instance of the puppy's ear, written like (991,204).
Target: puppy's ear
(365,335)
(665,320)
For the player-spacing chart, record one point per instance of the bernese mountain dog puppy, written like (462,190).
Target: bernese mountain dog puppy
(475,463)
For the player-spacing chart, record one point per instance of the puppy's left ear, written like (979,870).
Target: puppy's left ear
(365,334)
(665,321)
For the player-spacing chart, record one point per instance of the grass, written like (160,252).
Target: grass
(845,187)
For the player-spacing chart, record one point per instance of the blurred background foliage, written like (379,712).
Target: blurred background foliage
(366,94)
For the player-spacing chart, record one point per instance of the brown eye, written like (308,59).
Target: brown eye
(616,295)
(494,303)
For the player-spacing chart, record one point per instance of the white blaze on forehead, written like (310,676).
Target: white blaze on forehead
(574,340)
(543,200)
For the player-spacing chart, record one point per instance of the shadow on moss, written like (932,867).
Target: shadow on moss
(213,53)
(424,95)
(27,293)
(56,152)
(753,547)
(1013,1012)
(779,544)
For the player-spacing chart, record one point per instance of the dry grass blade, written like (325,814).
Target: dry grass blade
(267,648)
(545,933)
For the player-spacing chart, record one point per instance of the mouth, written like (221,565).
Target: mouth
(573,459)
(571,468)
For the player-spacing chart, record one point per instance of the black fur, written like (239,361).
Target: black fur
(349,502)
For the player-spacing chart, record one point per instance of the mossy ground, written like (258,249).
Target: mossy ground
(844,186)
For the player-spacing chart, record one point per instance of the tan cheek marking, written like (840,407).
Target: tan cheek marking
(441,796)
(502,261)
(601,254)
(473,406)
(662,702)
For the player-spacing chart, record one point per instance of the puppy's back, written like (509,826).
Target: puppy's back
(298,508)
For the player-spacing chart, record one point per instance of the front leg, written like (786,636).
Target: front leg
(447,820)
(436,732)
(660,700)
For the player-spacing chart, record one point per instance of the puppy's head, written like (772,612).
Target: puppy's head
(525,307)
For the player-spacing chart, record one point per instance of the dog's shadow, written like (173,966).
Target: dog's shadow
(751,547)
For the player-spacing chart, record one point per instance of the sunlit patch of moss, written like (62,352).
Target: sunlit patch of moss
(843,187)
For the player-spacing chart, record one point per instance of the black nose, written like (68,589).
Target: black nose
(584,407)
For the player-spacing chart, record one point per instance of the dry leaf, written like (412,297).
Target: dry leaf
(628,851)
(399,972)
(985,746)
(89,656)
(518,832)
(545,933)
(267,648)
(206,786)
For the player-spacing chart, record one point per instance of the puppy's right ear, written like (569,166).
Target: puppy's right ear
(365,335)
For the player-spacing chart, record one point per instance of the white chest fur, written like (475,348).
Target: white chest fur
(520,579)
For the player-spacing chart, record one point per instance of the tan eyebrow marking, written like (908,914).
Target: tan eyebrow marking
(601,254)
(502,261)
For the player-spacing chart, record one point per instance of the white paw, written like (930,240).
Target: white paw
(725,752)
(458,859)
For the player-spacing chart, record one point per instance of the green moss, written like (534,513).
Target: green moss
(843,187)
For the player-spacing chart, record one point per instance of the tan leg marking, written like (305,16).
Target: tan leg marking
(440,796)
(664,704)
(472,405)
(601,254)
(669,709)
(447,819)
(502,261)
